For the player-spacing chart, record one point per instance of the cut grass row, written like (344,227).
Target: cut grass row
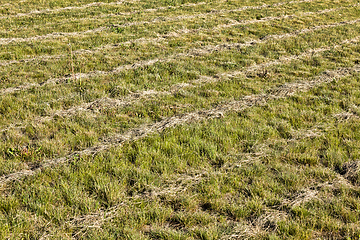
(137,80)
(220,194)
(12,74)
(102,7)
(18,9)
(81,122)
(133,98)
(177,17)
(64,24)
(232,124)
(145,130)
(197,97)
(165,39)
(135,31)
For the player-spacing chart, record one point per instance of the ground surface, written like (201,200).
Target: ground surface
(179,119)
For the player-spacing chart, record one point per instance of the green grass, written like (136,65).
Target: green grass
(286,168)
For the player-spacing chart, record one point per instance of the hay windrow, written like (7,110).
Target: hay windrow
(185,119)
(131,98)
(191,53)
(283,91)
(56,10)
(5,41)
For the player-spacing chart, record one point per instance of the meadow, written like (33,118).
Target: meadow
(179,119)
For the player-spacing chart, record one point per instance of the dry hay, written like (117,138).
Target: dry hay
(345,116)
(283,91)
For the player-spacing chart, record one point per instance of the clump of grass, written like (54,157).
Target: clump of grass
(351,171)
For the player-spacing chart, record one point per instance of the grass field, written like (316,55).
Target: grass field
(179,119)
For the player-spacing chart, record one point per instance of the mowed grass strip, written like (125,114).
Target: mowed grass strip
(106,49)
(202,85)
(76,33)
(28,30)
(40,140)
(112,59)
(92,19)
(124,33)
(192,98)
(160,38)
(223,191)
(130,7)
(132,13)
(59,8)
(19,9)
(250,140)
(145,78)
(261,70)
